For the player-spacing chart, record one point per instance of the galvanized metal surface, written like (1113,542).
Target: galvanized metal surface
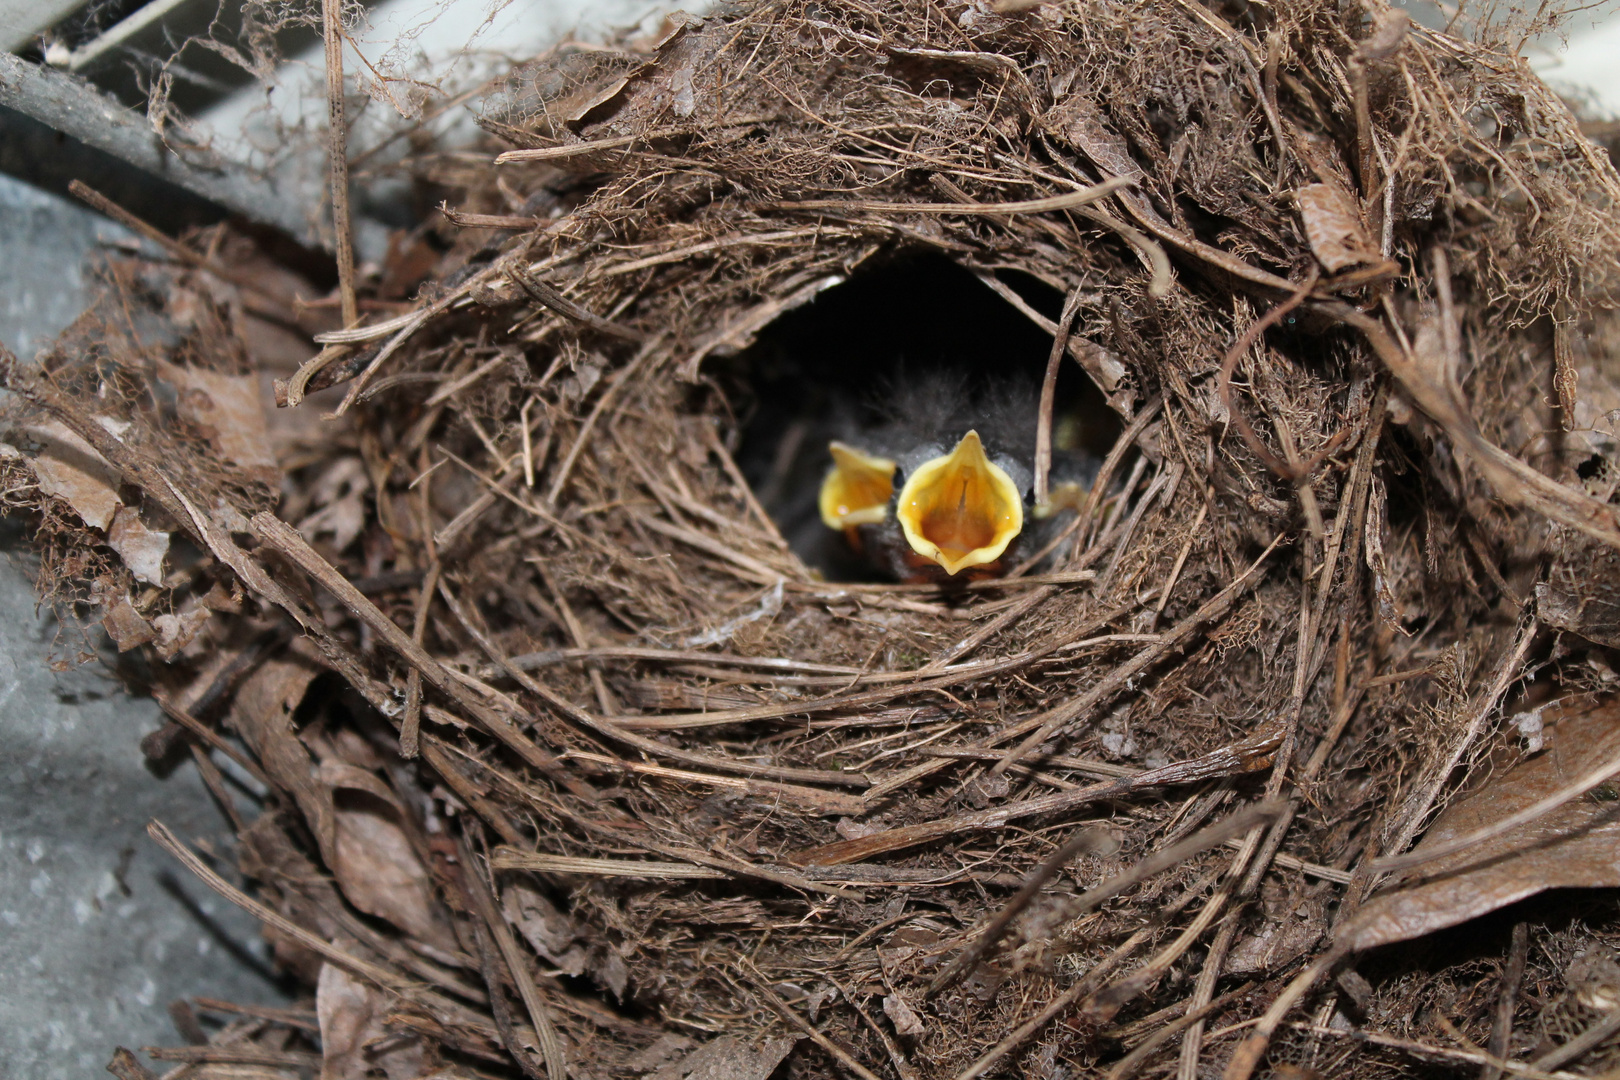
(20,20)
(77,109)
(98,932)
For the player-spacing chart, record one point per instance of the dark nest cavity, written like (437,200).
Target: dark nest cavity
(892,348)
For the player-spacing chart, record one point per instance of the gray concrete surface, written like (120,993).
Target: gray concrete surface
(44,241)
(99,930)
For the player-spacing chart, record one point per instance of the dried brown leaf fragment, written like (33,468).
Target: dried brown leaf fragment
(355,1041)
(374,860)
(69,468)
(1573,846)
(727,1058)
(230,411)
(1334,229)
(127,628)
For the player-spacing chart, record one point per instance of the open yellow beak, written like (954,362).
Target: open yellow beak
(857,489)
(961,510)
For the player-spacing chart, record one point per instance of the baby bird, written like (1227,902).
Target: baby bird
(942,491)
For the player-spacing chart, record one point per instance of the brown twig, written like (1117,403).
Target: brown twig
(760,984)
(640,742)
(1059,1005)
(1099,489)
(1066,201)
(1428,1050)
(549,297)
(207,735)
(1580,1044)
(337,150)
(1199,1004)
(1409,820)
(1043,429)
(1512,479)
(1252,1049)
(566,150)
(1507,999)
(897,1057)
(126,1066)
(257,300)
(303,1019)
(1566,794)
(485,907)
(283,538)
(236,1055)
(1050,722)
(410,727)
(1287,470)
(215,783)
(619,379)
(500,1009)
(1084,840)
(384,978)
(1132,1061)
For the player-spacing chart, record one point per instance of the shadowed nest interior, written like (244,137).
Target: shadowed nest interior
(554,749)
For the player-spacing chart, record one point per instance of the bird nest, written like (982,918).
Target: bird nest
(550,753)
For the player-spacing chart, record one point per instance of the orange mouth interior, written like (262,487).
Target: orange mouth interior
(961,510)
(961,523)
(857,489)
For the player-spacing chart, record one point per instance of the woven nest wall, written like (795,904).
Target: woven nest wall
(565,756)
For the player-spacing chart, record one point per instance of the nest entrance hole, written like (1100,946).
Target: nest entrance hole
(835,367)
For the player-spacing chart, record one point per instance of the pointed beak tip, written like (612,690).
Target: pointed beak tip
(961,510)
(857,488)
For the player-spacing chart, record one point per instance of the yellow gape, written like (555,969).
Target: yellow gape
(857,489)
(961,510)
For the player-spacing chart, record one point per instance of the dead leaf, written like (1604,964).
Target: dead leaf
(229,412)
(907,942)
(1077,121)
(340,494)
(1583,597)
(1389,608)
(373,859)
(353,814)
(655,1054)
(126,627)
(262,713)
(221,599)
(900,1015)
(176,631)
(142,549)
(554,936)
(561,941)
(351,1014)
(1574,846)
(1333,228)
(69,468)
(610,970)
(579,385)
(984,980)
(265,853)
(726,1058)
(987,789)
(1292,922)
